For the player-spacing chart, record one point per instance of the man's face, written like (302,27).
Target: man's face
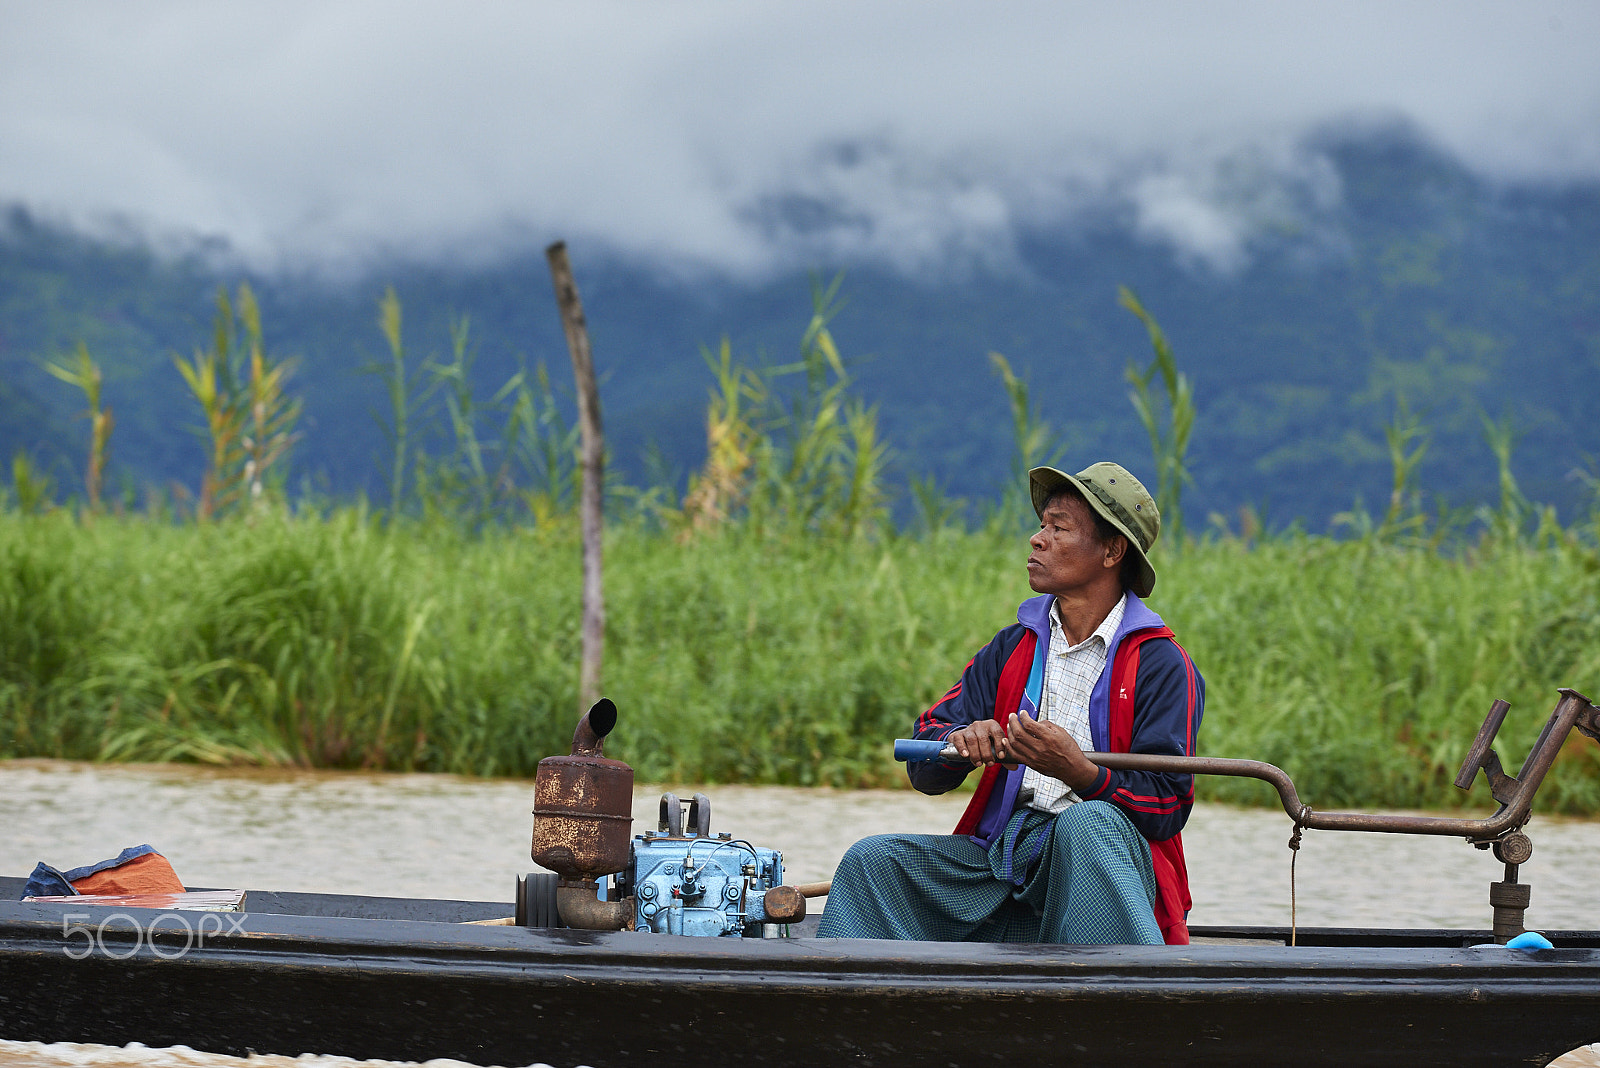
(1066,555)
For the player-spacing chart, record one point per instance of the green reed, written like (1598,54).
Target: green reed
(335,640)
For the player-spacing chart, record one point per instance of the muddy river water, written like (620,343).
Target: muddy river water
(442,836)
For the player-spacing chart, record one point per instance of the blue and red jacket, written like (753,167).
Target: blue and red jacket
(1148,700)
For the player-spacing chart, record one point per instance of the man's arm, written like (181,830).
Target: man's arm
(969,701)
(1168,702)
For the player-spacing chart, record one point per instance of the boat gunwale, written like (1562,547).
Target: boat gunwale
(278,940)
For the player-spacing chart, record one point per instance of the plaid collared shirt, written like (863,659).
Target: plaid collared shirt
(1069,675)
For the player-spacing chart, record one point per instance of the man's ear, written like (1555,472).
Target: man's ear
(1116,549)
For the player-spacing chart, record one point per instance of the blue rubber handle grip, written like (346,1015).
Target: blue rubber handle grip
(916,749)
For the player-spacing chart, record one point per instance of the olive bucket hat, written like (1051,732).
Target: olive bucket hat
(1117,496)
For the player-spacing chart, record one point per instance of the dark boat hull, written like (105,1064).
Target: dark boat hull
(421,987)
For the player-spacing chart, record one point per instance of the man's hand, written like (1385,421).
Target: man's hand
(1048,749)
(980,742)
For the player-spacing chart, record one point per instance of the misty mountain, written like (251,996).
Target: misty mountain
(1423,287)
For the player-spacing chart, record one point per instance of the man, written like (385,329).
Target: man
(1053,847)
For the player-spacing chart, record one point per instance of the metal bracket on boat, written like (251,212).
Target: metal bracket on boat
(1585,718)
(1514,794)
(1501,831)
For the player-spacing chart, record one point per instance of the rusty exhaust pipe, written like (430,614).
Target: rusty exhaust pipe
(579,905)
(589,739)
(583,823)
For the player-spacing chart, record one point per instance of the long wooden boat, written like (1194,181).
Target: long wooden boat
(407,979)
(372,977)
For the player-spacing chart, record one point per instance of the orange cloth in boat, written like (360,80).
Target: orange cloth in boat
(147,874)
(136,870)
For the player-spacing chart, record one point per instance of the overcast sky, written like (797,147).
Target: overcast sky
(756,135)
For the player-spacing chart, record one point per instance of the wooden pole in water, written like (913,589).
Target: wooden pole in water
(591,463)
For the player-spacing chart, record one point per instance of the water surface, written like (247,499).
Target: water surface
(444,836)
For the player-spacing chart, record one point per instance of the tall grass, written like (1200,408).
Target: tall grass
(85,374)
(789,449)
(1034,444)
(335,640)
(250,418)
(508,458)
(1168,444)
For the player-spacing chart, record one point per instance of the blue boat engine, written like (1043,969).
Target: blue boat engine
(685,881)
(673,881)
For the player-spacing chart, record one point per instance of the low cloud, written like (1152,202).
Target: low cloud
(746,138)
